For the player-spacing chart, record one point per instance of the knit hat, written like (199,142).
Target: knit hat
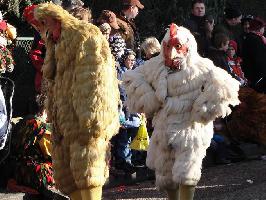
(109,17)
(233,44)
(105,28)
(231,13)
(133,3)
(246,18)
(127,53)
(256,24)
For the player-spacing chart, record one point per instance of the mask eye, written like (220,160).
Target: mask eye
(178,46)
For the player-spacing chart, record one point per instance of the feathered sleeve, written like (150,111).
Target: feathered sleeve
(141,96)
(217,94)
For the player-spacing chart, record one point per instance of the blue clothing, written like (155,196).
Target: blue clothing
(133,121)
(218,138)
(122,140)
(130,123)
(120,71)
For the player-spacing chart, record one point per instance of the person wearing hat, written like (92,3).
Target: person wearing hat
(231,25)
(128,12)
(245,23)
(254,54)
(234,63)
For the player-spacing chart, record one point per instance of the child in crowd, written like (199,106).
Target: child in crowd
(234,63)
(217,53)
(105,29)
(130,122)
(122,153)
(150,48)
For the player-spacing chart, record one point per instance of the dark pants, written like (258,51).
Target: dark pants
(121,150)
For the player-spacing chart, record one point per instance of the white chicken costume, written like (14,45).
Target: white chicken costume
(184,93)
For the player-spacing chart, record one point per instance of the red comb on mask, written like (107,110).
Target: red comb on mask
(175,43)
(28,15)
(173,35)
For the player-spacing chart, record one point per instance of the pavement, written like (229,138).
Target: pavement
(237,181)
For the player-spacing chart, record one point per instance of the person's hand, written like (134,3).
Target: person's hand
(122,127)
(209,26)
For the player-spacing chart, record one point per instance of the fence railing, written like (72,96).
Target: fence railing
(25,43)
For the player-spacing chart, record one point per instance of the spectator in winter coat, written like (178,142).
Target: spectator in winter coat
(126,63)
(234,63)
(131,122)
(217,53)
(245,23)
(231,26)
(254,54)
(128,12)
(196,23)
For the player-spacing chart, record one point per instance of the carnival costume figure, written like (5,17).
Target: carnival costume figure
(184,93)
(82,99)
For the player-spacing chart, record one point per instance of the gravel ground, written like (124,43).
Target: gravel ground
(238,181)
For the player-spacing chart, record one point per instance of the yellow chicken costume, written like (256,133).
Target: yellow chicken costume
(82,102)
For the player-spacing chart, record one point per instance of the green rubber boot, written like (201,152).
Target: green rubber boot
(186,192)
(173,194)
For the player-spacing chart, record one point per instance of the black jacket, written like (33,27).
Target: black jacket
(254,58)
(196,25)
(219,58)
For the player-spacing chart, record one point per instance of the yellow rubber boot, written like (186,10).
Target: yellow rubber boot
(172,194)
(186,192)
(92,193)
(76,195)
